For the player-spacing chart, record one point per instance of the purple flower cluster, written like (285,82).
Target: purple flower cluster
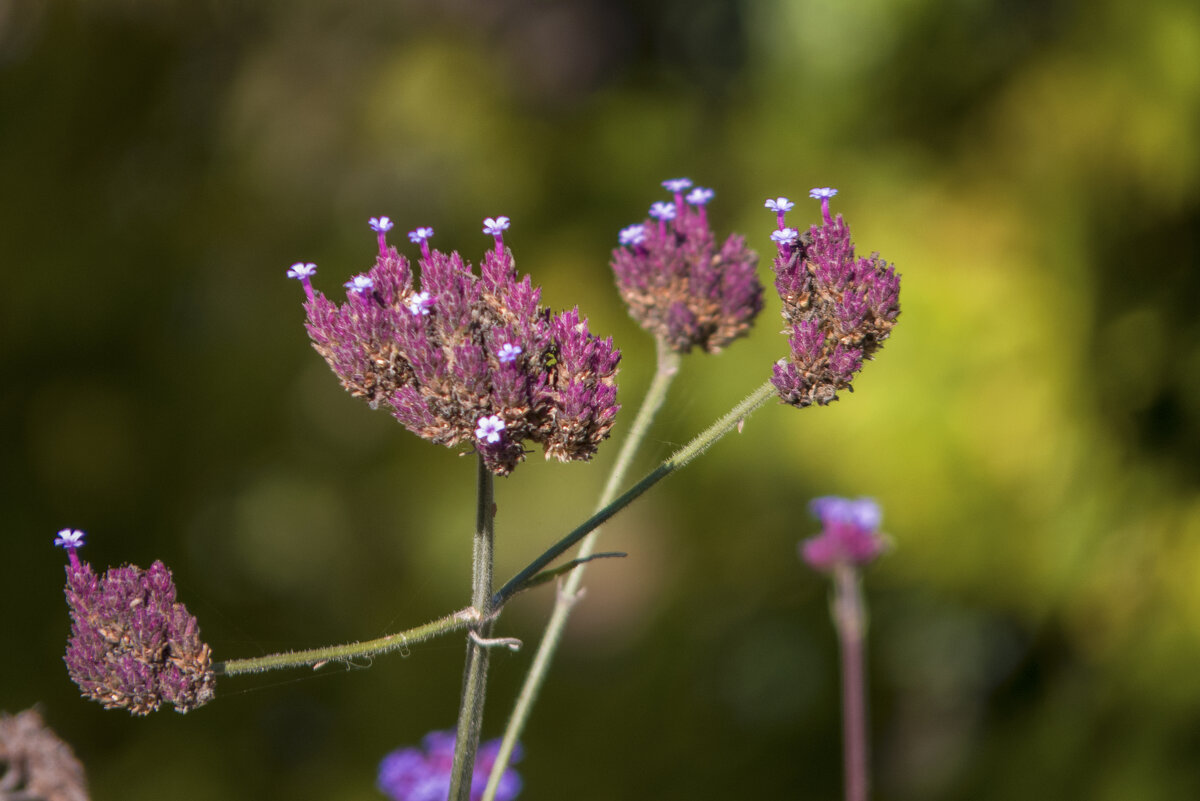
(678,284)
(850,533)
(468,359)
(132,645)
(423,774)
(840,308)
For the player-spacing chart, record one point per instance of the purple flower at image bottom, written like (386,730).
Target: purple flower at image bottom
(423,774)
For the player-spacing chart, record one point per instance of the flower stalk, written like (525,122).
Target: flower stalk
(665,372)
(849,618)
(470,712)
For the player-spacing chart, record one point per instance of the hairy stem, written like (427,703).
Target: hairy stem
(849,618)
(350,651)
(474,692)
(667,368)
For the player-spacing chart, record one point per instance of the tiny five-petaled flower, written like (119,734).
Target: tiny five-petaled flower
(489,429)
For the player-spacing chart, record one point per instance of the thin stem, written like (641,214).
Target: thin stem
(666,370)
(355,650)
(702,442)
(849,618)
(470,710)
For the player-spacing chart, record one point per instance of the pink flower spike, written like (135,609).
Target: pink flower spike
(70,539)
(381,225)
(677,186)
(823,194)
(303,273)
(663,212)
(781,206)
(495,227)
(785,238)
(421,236)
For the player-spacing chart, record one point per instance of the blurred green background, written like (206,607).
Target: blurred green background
(1032,429)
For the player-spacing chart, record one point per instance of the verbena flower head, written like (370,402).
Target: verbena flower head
(423,774)
(460,349)
(839,308)
(132,645)
(850,533)
(679,284)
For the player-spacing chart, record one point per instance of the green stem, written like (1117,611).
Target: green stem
(474,692)
(355,650)
(679,459)
(668,367)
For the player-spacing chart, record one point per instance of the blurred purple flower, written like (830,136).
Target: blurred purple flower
(423,774)
(681,286)
(132,645)
(442,356)
(840,308)
(850,533)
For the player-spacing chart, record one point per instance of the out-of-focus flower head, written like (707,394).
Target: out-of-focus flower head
(423,774)
(678,283)
(838,308)
(35,764)
(849,535)
(465,359)
(132,645)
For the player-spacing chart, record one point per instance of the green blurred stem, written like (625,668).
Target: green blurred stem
(474,691)
(667,368)
(350,651)
(702,442)
(850,620)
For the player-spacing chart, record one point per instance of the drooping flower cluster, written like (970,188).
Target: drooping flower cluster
(679,285)
(423,774)
(132,645)
(839,308)
(462,358)
(850,533)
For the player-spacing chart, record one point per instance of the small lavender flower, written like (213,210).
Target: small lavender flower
(303,273)
(663,212)
(823,194)
(420,303)
(683,287)
(850,533)
(427,353)
(423,774)
(360,283)
(132,645)
(381,225)
(489,429)
(700,196)
(69,539)
(840,308)
(781,206)
(676,185)
(421,236)
(508,353)
(632,234)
